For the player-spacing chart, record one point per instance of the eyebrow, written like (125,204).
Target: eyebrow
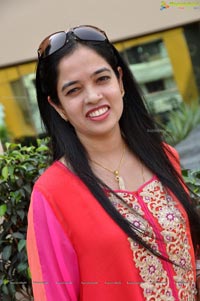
(66,85)
(69,84)
(102,70)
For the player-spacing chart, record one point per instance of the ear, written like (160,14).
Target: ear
(58,109)
(120,80)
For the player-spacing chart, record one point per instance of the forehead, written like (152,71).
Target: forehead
(81,60)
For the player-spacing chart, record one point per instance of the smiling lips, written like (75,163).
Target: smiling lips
(98,113)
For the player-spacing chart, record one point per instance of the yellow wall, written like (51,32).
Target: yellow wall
(178,52)
(14,118)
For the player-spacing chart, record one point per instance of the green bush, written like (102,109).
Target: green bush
(181,122)
(192,179)
(19,168)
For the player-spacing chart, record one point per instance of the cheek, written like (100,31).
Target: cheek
(113,91)
(73,109)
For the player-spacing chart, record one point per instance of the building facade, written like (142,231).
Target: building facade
(160,41)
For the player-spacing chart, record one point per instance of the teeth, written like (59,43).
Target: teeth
(98,112)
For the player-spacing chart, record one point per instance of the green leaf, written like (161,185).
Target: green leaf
(5,290)
(185,172)
(22,267)
(6,252)
(42,148)
(11,170)
(5,281)
(4,172)
(21,214)
(3,209)
(18,235)
(14,219)
(29,273)
(21,244)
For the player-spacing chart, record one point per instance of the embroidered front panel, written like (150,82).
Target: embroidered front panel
(174,233)
(155,281)
(154,214)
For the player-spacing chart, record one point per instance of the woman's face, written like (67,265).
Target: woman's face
(90,94)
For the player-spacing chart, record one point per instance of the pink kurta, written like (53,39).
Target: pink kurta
(77,252)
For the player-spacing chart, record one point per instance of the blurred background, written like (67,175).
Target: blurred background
(160,41)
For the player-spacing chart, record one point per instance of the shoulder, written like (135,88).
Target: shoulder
(53,177)
(170,151)
(173,156)
(55,168)
(57,180)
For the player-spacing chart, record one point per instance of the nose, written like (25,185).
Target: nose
(92,95)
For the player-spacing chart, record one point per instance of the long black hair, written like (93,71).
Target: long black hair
(137,127)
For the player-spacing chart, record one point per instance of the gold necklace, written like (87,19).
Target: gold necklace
(115,172)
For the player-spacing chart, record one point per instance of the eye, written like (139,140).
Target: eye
(103,78)
(72,91)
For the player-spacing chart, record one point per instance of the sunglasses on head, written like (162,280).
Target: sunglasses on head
(57,40)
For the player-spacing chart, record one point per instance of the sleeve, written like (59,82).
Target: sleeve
(52,259)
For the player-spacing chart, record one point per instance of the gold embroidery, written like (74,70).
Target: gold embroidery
(155,283)
(174,232)
(155,206)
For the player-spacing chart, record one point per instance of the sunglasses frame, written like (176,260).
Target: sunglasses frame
(46,42)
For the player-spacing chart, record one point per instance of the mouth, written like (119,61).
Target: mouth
(97,112)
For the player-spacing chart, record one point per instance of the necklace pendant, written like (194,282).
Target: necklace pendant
(120,182)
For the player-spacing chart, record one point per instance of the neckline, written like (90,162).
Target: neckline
(153,178)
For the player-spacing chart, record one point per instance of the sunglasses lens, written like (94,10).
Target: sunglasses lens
(58,40)
(52,44)
(87,33)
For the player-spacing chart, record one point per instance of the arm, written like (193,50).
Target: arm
(52,259)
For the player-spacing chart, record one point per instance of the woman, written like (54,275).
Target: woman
(110,219)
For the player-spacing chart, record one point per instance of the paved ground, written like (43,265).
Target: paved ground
(189,150)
